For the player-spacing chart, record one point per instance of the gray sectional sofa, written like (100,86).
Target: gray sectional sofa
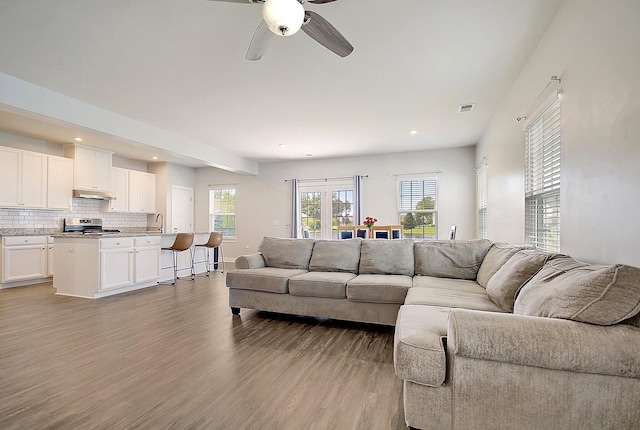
(488,336)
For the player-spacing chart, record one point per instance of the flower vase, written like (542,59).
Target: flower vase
(370,236)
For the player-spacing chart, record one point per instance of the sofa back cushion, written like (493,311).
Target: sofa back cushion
(505,284)
(569,289)
(458,259)
(386,257)
(286,253)
(498,254)
(335,256)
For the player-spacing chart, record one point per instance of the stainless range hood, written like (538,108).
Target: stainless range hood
(98,195)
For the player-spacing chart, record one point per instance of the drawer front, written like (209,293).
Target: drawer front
(24,240)
(114,243)
(147,241)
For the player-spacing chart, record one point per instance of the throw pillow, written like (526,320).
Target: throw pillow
(457,259)
(286,253)
(569,289)
(499,254)
(504,285)
(335,256)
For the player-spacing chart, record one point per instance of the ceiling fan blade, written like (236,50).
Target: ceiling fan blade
(320,1)
(260,41)
(325,34)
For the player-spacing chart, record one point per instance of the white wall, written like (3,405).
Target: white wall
(595,47)
(168,175)
(28,144)
(265,198)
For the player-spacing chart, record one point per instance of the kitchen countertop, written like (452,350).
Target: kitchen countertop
(98,236)
(58,233)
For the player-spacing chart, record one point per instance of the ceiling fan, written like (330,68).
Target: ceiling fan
(285,18)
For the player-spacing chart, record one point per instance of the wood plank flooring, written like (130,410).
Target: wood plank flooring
(175,358)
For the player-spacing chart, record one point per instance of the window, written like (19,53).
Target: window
(222,211)
(482,201)
(542,179)
(417,208)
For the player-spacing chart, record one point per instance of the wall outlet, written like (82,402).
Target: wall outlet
(276,222)
(246,248)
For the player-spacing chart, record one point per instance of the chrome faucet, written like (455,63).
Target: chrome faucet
(161,223)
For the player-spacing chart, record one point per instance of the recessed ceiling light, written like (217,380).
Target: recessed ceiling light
(309,155)
(282,145)
(413,132)
(78,139)
(154,158)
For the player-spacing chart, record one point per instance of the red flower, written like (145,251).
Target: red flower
(369,222)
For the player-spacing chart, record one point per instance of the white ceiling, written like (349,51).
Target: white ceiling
(179,66)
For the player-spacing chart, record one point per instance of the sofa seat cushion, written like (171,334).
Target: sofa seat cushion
(378,288)
(268,279)
(386,257)
(458,259)
(451,298)
(418,346)
(320,284)
(569,289)
(462,285)
(498,254)
(286,253)
(335,256)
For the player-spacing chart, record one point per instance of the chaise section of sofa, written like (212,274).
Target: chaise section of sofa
(568,358)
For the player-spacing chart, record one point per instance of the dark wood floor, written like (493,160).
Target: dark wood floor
(175,358)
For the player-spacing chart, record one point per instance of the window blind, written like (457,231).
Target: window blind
(482,201)
(542,179)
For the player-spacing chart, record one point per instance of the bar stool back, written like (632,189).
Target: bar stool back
(182,243)
(215,241)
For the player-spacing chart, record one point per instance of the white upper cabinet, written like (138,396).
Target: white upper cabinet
(120,188)
(142,192)
(23,176)
(9,177)
(92,167)
(60,183)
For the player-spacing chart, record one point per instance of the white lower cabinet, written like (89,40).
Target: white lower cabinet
(24,258)
(146,258)
(116,263)
(95,267)
(129,261)
(49,256)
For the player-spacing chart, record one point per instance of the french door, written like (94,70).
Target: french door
(325,206)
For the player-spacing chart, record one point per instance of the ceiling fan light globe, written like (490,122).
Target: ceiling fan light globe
(283,17)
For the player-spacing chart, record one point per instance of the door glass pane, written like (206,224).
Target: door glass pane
(341,210)
(311,211)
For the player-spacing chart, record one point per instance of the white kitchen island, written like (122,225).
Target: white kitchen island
(94,266)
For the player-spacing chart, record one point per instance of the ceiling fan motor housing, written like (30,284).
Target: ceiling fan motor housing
(283,17)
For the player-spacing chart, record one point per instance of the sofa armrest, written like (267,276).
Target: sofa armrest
(545,342)
(250,261)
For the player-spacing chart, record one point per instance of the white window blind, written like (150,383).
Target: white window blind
(417,208)
(482,201)
(542,179)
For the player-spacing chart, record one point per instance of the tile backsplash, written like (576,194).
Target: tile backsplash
(82,208)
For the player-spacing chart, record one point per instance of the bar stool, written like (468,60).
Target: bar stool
(182,242)
(215,241)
